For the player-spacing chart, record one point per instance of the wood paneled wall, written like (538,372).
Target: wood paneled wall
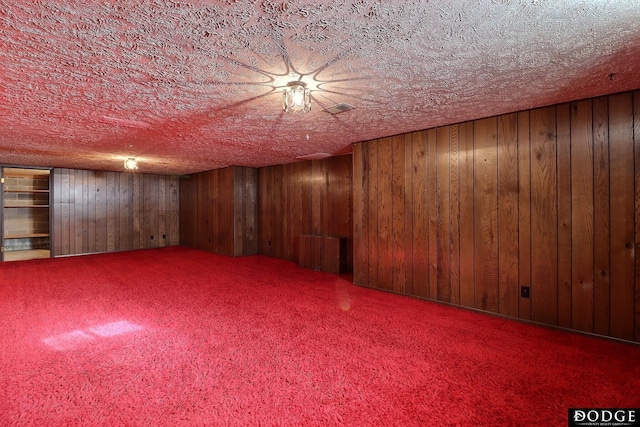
(309,197)
(547,198)
(95,211)
(218,211)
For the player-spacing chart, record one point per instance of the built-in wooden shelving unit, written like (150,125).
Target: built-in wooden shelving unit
(25,213)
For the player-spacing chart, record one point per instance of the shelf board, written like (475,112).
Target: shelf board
(19,255)
(25,235)
(26,206)
(26,173)
(13,190)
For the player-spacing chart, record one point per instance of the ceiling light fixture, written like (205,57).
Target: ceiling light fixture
(296,98)
(131,164)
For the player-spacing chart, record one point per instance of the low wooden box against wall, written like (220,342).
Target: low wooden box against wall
(323,253)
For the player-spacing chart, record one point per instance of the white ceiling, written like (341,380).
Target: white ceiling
(187,85)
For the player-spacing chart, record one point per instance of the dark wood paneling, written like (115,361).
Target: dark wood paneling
(622,209)
(443,216)
(245,201)
(372,206)
(544,216)
(105,211)
(563,156)
(601,217)
(467,257)
(399,226)
(636,146)
(486,213)
(524,212)
(189,210)
(508,215)
(454,212)
(310,252)
(385,215)
(218,210)
(547,199)
(581,288)
(309,198)
(359,190)
(409,210)
(419,259)
(432,159)
(101,211)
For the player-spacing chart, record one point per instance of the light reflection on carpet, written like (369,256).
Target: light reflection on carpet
(77,338)
(115,328)
(68,340)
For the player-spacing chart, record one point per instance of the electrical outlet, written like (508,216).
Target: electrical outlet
(151,237)
(524,291)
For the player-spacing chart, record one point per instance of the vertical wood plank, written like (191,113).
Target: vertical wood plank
(65,210)
(251,193)
(407,188)
(214,193)
(239,218)
(58,233)
(564,175)
(175,211)
(225,231)
(263,218)
(316,202)
(467,244)
(385,214)
(454,191)
(372,202)
(138,232)
(291,183)
(116,219)
(359,190)
(124,212)
(152,211)
(85,212)
(110,198)
(162,210)
(361,218)
(92,212)
(582,231)
(398,231)
(71,200)
(486,213)
(443,215)
(188,211)
(277,186)
(524,211)
(78,214)
(544,217)
(341,205)
(420,211)
(432,173)
(101,211)
(601,214)
(622,286)
(636,150)
(508,214)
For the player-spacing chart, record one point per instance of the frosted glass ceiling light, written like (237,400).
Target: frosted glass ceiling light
(131,164)
(296,98)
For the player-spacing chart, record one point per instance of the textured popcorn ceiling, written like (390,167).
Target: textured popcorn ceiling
(187,86)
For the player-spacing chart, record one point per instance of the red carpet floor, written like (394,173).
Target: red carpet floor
(181,337)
